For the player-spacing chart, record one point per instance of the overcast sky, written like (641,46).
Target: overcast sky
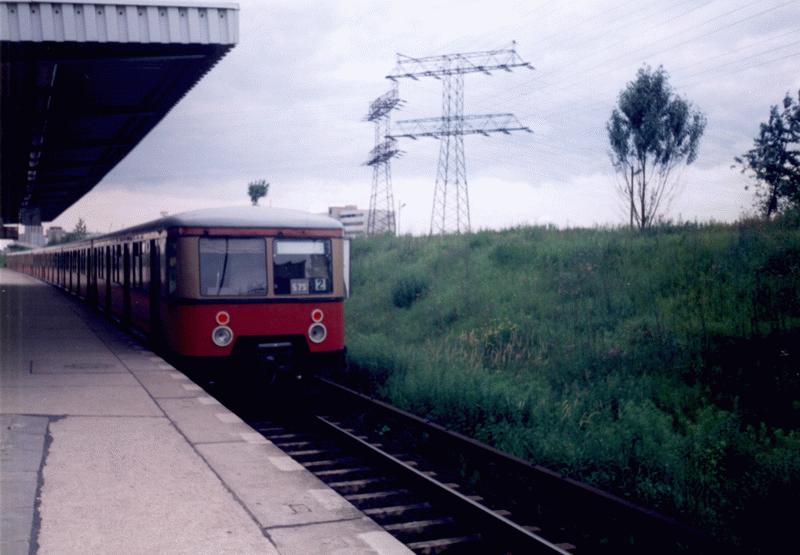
(287,105)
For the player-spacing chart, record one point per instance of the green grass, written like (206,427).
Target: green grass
(662,366)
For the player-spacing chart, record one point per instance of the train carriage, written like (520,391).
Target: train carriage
(264,286)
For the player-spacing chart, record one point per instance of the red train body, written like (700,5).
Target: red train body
(263,285)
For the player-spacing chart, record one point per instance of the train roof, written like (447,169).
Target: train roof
(241,217)
(244,217)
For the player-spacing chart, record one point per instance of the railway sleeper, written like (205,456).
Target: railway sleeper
(440,545)
(268,429)
(347,471)
(397,510)
(297,454)
(285,436)
(354,486)
(313,465)
(384,498)
(411,515)
(418,526)
(291,444)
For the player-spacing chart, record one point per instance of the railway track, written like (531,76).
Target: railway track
(440,492)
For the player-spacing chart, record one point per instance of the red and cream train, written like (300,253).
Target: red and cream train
(263,285)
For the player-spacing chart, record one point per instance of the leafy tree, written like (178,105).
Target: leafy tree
(257,189)
(774,160)
(651,132)
(78,232)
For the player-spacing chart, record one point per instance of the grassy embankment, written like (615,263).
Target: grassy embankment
(663,366)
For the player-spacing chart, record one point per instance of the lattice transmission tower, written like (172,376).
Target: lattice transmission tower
(450,212)
(381,218)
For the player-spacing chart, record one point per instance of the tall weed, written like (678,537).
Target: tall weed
(660,365)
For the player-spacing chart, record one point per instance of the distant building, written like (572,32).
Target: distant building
(33,236)
(353,219)
(55,234)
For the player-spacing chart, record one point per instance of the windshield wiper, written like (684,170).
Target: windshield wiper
(224,268)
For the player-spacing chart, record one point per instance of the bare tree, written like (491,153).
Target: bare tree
(651,132)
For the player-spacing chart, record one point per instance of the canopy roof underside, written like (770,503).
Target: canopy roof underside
(84,82)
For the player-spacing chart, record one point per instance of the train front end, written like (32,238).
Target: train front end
(268,300)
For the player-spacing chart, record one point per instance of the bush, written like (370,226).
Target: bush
(408,289)
(661,365)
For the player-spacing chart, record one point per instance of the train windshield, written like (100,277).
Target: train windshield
(233,267)
(302,266)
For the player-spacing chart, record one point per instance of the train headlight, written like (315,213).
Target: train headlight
(223,318)
(222,336)
(317,332)
(317,315)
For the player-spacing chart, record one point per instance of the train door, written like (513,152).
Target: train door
(155,290)
(126,283)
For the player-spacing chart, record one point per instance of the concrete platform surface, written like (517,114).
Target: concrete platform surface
(107,448)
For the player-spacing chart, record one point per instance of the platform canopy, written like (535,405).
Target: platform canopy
(84,81)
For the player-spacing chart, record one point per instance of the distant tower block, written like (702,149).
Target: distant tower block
(381,218)
(450,211)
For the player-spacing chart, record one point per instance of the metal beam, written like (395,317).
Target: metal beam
(481,124)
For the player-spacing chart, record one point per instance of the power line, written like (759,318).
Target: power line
(604,68)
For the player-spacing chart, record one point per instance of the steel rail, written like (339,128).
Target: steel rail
(579,498)
(509,531)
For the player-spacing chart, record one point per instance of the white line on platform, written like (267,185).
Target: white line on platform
(254,438)
(191,387)
(329,499)
(207,401)
(286,464)
(228,417)
(383,543)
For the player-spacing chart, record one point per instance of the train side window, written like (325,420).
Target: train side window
(172,266)
(117,260)
(145,274)
(139,268)
(135,258)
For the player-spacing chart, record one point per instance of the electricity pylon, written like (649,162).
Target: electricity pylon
(450,212)
(381,217)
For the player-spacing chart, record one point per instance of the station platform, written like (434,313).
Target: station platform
(107,448)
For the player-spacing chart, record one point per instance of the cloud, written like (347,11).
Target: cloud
(287,104)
